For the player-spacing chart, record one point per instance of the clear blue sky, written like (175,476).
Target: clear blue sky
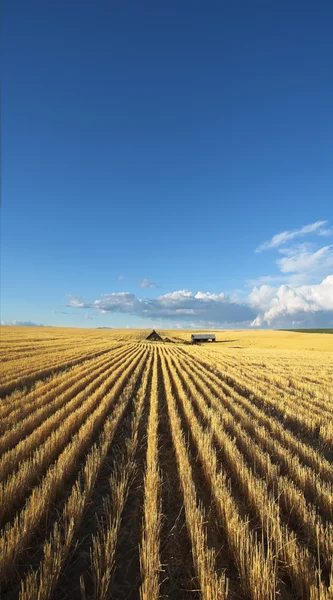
(162,143)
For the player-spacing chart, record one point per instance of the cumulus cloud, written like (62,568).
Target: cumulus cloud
(201,307)
(22,323)
(145,283)
(265,306)
(309,305)
(286,236)
(300,294)
(262,297)
(123,302)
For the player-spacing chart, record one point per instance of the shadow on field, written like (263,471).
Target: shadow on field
(224,341)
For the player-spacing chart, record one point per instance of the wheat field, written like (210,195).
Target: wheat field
(134,469)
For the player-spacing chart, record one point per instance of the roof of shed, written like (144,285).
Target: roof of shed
(154,336)
(203,336)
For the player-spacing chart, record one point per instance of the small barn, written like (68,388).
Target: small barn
(197,338)
(154,337)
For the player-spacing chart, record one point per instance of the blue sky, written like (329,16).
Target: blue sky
(149,149)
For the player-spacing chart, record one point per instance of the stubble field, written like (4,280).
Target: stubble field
(133,469)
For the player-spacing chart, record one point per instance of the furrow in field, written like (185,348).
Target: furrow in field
(315,533)
(287,371)
(150,544)
(178,579)
(254,559)
(301,422)
(306,454)
(17,536)
(284,376)
(30,376)
(20,403)
(315,396)
(104,543)
(315,400)
(9,353)
(33,430)
(282,452)
(17,485)
(10,356)
(265,504)
(41,583)
(33,363)
(204,558)
(77,572)
(126,573)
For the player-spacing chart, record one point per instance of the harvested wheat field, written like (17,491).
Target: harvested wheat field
(133,469)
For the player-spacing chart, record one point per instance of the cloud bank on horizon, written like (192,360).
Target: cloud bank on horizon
(302,296)
(23,324)
(266,306)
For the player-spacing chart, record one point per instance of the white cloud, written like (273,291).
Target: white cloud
(144,283)
(207,296)
(22,323)
(300,294)
(262,297)
(76,302)
(202,307)
(300,263)
(121,277)
(124,302)
(286,236)
(326,232)
(311,305)
(305,294)
(265,306)
(265,280)
(302,260)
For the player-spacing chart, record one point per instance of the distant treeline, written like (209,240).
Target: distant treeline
(309,330)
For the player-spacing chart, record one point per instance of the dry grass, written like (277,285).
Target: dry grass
(80,419)
(150,545)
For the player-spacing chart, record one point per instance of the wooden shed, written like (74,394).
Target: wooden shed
(197,338)
(154,337)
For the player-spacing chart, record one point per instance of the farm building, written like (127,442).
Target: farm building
(202,337)
(154,337)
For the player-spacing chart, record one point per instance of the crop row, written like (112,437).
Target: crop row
(17,535)
(83,462)
(40,583)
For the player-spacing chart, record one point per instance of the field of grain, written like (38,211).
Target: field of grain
(133,469)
